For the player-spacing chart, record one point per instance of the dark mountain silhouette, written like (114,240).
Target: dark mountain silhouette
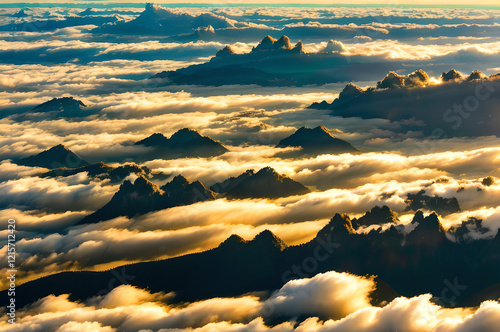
(20,13)
(476,75)
(443,206)
(230,183)
(88,11)
(102,171)
(275,62)
(266,183)
(143,196)
(412,97)
(350,91)
(66,107)
(406,265)
(279,47)
(391,81)
(156,139)
(452,75)
(184,143)
(226,51)
(428,231)
(316,141)
(377,216)
(394,81)
(56,157)
(337,230)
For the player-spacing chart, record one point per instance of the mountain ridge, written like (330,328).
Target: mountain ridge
(317,141)
(55,157)
(183,143)
(266,263)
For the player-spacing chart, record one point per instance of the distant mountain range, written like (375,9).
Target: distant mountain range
(157,20)
(317,141)
(406,265)
(275,62)
(143,196)
(184,143)
(56,157)
(56,23)
(437,110)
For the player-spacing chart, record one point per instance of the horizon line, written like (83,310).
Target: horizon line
(105,3)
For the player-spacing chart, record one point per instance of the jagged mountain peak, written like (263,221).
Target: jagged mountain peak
(452,75)
(141,186)
(58,147)
(421,74)
(156,139)
(391,80)
(185,142)
(56,157)
(268,239)
(418,217)
(429,230)
(230,183)
(476,75)
(299,47)
(341,223)
(269,43)
(143,196)
(184,135)
(322,129)
(378,215)
(206,30)
(351,90)
(232,241)
(284,43)
(431,222)
(226,51)
(268,171)
(315,141)
(266,183)
(21,13)
(268,40)
(87,12)
(60,104)
(339,226)
(417,78)
(179,180)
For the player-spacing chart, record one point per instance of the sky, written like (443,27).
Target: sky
(454,3)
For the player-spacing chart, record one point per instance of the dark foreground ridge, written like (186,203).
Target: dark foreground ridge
(407,265)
